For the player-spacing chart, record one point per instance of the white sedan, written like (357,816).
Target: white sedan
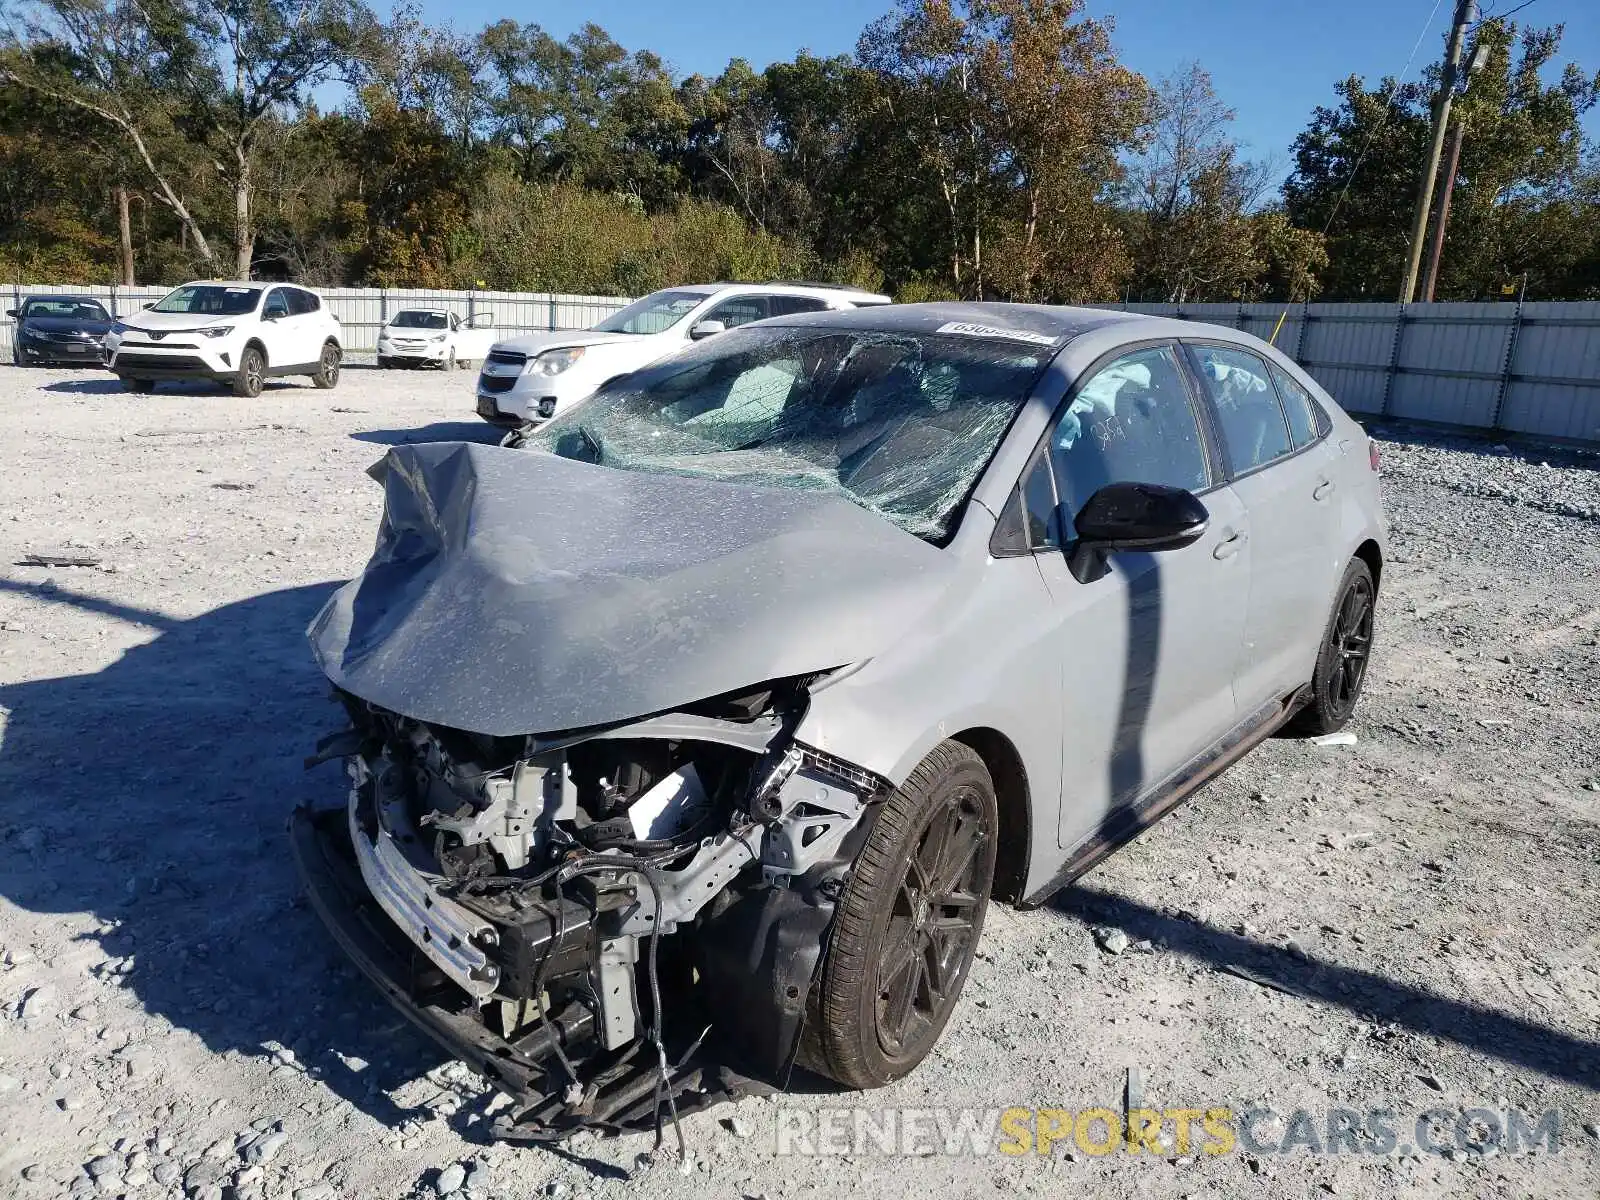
(434,337)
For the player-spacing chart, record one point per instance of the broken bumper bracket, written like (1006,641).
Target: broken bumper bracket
(326,860)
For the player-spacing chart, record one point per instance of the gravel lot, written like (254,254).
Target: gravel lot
(1409,922)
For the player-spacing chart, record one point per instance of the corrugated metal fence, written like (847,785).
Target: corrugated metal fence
(1531,369)
(363,311)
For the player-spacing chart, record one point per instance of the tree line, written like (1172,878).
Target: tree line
(968,148)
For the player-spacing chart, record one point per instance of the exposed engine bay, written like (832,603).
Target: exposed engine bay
(615,924)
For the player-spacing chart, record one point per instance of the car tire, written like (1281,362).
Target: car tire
(892,948)
(1343,659)
(142,386)
(448,363)
(252,373)
(327,372)
(384,363)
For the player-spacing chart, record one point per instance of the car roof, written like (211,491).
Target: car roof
(778,288)
(442,312)
(64,296)
(1057,322)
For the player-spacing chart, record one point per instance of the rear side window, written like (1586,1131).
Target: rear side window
(1253,427)
(1132,421)
(782,306)
(1306,419)
(302,302)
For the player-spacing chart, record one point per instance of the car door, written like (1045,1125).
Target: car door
(1281,471)
(278,333)
(316,323)
(473,339)
(1147,651)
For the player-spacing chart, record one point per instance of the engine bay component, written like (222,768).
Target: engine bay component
(595,904)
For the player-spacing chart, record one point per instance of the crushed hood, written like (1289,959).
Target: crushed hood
(514,592)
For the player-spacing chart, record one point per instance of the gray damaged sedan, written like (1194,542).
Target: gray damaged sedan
(691,738)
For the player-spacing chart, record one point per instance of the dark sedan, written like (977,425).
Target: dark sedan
(67,330)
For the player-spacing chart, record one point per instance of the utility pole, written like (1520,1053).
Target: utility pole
(1466,13)
(1441,210)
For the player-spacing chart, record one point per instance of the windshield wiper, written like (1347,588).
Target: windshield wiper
(593,441)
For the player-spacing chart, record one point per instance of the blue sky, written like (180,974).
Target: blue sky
(1273,60)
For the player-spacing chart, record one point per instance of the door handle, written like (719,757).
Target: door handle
(1229,546)
(1323,490)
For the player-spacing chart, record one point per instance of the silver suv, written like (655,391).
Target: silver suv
(732,698)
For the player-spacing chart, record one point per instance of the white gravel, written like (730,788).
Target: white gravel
(1409,922)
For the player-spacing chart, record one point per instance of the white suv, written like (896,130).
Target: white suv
(532,378)
(236,333)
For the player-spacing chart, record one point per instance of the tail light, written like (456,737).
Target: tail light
(1374,459)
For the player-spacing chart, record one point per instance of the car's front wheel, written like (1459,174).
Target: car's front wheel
(908,923)
(449,362)
(252,373)
(1342,661)
(327,372)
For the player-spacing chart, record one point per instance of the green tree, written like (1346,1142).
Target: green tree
(1521,173)
(1014,114)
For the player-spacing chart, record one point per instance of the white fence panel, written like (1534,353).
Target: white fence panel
(363,311)
(1532,369)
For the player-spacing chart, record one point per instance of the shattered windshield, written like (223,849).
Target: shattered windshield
(899,423)
(656,312)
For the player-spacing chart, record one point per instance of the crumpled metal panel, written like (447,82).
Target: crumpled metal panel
(514,592)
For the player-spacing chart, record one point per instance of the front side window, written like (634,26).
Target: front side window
(211,300)
(277,304)
(1253,427)
(899,423)
(655,313)
(1132,421)
(742,311)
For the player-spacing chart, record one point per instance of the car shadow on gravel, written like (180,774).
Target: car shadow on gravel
(439,431)
(85,387)
(169,387)
(1484,1031)
(153,795)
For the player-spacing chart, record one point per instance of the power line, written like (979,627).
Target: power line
(1387,113)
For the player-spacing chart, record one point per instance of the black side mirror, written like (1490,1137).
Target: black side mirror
(148,304)
(1147,517)
(11,312)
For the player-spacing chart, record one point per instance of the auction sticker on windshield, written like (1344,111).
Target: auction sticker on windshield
(987,331)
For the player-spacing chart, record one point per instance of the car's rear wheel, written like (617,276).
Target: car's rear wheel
(1341,669)
(327,372)
(908,923)
(252,373)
